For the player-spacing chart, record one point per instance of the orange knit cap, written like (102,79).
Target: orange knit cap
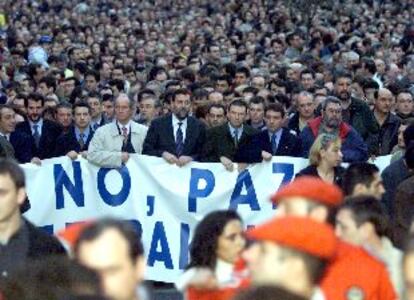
(302,234)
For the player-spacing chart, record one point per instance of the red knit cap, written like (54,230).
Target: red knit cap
(311,188)
(303,234)
(72,232)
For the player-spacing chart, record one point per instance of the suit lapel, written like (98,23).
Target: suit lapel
(170,129)
(282,143)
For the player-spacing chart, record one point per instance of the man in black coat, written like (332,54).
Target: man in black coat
(274,141)
(224,141)
(43,133)
(178,138)
(76,140)
(20,241)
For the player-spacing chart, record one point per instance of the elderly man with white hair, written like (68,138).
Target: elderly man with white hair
(113,143)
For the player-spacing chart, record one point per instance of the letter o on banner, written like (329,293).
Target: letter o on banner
(107,197)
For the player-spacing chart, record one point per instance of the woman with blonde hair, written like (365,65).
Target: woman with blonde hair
(325,159)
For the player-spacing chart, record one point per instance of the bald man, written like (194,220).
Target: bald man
(388,122)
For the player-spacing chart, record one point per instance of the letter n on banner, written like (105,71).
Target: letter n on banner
(74,189)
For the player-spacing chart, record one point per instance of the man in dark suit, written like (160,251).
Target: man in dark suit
(76,140)
(224,141)
(178,137)
(22,242)
(43,133)
(274,141)
(94,100)
(20,143)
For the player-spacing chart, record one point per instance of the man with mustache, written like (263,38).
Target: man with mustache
(353,147)
(178,137)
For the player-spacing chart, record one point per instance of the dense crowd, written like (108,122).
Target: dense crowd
(219,81)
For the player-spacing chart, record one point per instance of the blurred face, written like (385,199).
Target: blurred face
(34,110)
(10,199)
(266,263)
(91,83)
(147,109)
(408,271)
(108,109)
(222,86)
(181,106)
(118,74)
(68,87)
(258,82)
(405,104)
(7,120)
(256,112)
(333,155)
(332,115)
(401,130)
(123,110)
(64,116)
(236,115)
(307,81)
(231,242)
(240,78)
(342,88)
(274,120)
(346,227)
(82,117)
(376,188)
(305,106)
(109,256)
(96,107)
(384,101)
(43,89)
(216,116)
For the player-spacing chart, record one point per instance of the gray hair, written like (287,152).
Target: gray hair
(329,100)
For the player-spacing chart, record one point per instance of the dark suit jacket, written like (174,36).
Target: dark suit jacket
(220,143)
(47,143)
(160,137)
(23,146)
(67,142)
(289,145)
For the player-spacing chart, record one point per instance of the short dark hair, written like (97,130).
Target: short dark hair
(358,173)
(276,107)
(238,102)
(342,74)
(125,228)
(243,70)
(367,209)
(52,278)
(64,104)
(49,81)
(265,292)
(257,100)
(180,92)
(10,167)
(81,104)
(34,97)
(94,74)
(216,105)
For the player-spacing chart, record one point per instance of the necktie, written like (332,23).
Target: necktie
(274,143)
(179,143)
(236,137)
(36,134)
(81,140)
(125,134)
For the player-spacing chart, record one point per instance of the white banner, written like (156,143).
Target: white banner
(163,200)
